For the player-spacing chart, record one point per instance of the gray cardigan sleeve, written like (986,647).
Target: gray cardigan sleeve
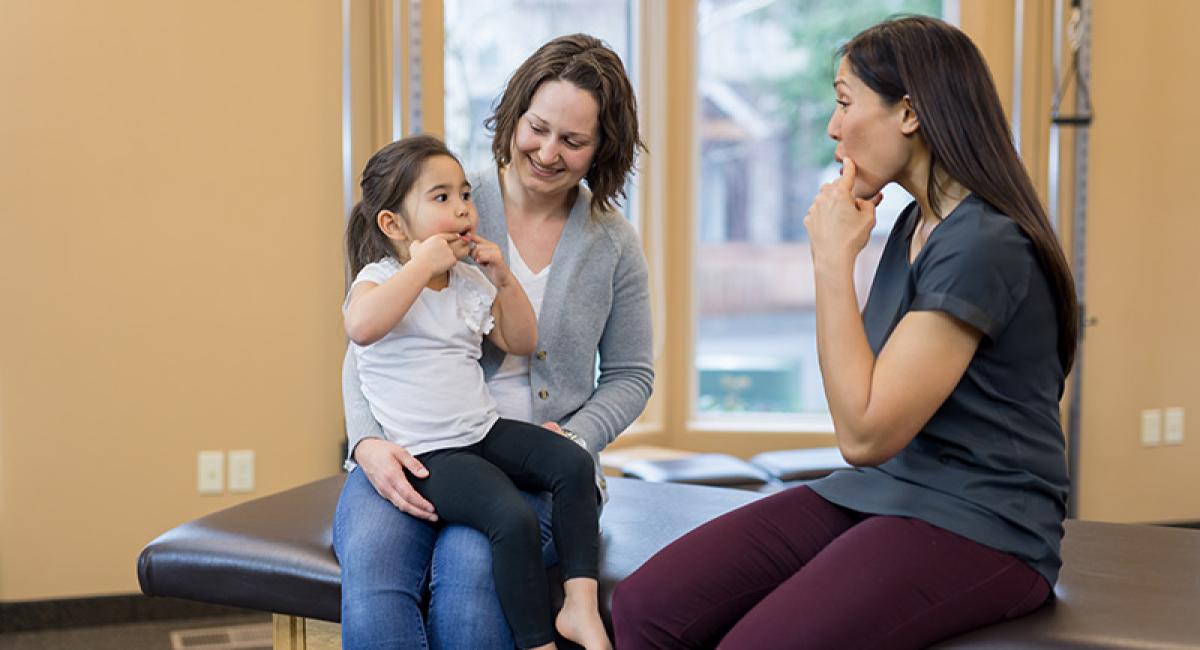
(626,355)
(360,423)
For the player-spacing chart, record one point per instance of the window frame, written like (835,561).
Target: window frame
(665,43)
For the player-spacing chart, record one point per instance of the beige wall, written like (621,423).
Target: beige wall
(1142,235)
(1141,353)
(170,270)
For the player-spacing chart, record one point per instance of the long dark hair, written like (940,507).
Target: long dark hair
(587,63)
(386,180)
(946,79)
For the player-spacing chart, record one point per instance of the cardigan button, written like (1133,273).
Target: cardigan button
(541,355)
(544,394)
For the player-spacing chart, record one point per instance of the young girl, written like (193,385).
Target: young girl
(417,317)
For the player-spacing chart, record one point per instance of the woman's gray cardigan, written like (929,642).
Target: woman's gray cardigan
(597,301)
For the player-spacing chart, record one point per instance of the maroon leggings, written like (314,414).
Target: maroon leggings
(795,571)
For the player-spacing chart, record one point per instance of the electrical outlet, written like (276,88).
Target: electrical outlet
(1151,427)
(241,470)
(210,472)
(1173,430)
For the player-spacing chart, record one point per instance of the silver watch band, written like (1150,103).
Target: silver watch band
(570,435)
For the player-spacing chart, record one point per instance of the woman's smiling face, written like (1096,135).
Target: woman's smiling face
(556,138)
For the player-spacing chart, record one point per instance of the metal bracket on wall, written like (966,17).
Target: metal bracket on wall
(406,106)
(415,123)
(397,69)
(1080,28)
(1083,99)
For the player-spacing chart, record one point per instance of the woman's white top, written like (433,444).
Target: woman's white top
(510,385)
(422,380)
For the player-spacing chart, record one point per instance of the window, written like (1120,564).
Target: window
(764,94)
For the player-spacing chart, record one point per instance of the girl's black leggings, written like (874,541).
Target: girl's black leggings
(479,486)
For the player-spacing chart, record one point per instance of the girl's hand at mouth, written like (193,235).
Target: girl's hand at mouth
(435,252)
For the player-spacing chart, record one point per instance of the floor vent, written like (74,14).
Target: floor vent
(235,637)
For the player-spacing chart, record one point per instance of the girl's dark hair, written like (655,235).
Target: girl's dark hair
(386,180)
(946,79)
(587,63)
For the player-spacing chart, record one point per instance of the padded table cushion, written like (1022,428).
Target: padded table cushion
(276,553)
(800,464)
(1122,585)
(701,469)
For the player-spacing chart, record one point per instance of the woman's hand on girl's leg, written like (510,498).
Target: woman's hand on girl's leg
(384,464)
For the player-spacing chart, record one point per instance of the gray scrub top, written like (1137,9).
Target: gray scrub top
(990,464)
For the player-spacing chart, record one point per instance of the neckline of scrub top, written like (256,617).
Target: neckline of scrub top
(912,228)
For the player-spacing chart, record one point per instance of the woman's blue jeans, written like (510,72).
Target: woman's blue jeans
(390,563)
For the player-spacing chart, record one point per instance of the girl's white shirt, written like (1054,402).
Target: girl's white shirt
(510,385)
(423,380)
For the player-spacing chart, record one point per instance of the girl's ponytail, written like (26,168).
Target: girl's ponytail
(365,243)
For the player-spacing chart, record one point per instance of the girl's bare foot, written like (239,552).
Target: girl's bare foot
(579,619)
(582,628)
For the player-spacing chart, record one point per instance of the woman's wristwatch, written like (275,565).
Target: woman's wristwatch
(570,435)
(600,480)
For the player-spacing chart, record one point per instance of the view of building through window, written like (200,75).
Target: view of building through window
(765,96)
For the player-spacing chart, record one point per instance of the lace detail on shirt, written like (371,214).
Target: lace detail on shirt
(474,302)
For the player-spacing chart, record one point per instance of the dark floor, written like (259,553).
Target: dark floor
(241,632)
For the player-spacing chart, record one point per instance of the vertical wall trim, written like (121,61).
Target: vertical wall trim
(397,70)
(1018,70)
(347,171)
(652,174)
(1055,155)
(952,12)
